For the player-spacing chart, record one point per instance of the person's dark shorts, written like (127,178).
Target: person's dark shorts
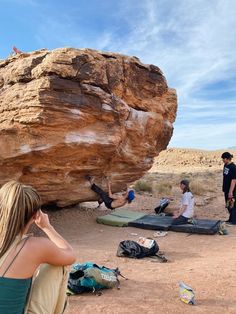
(104,195)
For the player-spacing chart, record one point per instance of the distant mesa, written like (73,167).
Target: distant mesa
(70,112)
(188,160)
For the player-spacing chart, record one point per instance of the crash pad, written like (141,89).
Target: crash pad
(152,222)
(201,226)
(119,217)
(155,222)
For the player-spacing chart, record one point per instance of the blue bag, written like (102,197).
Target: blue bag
(91,277)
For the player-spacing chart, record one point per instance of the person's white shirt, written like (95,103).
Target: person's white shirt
(188,199)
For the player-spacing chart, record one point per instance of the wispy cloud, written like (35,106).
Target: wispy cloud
(193,42)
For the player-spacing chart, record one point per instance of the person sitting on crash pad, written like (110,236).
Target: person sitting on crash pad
(186,210)
(111,200)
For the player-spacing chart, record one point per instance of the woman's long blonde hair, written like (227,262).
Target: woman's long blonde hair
(18,203)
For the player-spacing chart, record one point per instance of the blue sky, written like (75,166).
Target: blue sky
(192,41)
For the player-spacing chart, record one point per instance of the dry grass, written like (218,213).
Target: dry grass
(197,187)
(164,188)
(167,185)
(143,186)
(201,187)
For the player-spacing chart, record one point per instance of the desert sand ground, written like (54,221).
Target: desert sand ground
(205,262)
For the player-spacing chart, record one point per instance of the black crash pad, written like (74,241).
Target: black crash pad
(154,222)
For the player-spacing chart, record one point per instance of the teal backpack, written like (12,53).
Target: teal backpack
(91,277)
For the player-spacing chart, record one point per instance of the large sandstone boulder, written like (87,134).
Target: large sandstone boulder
(70,112)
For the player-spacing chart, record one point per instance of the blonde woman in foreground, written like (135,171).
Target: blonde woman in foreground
(22,254)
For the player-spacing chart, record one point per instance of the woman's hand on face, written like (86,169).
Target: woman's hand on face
(42,220)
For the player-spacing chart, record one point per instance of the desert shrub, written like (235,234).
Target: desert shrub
(164,188)
(211,174)
(143,186)
(197,187)
(201,187)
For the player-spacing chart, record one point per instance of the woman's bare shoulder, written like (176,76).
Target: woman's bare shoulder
(38,241)
(39,246)
(45,251)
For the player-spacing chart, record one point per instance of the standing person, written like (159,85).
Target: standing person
(229,186)
(111,200)
(22,254)
(186,210)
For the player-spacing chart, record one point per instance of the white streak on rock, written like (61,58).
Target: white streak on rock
(107,107)
(88,138)
(76,111)
(42,147)
(25,149)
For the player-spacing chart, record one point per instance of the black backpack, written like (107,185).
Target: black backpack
(164,202)
(133,249)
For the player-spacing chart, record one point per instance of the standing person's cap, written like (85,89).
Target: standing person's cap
(131,196)
(227,155)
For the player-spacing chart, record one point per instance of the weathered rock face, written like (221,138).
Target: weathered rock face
(68,112)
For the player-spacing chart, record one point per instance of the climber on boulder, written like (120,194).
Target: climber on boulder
(111,200)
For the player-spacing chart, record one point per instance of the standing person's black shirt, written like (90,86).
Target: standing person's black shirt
(229,173)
